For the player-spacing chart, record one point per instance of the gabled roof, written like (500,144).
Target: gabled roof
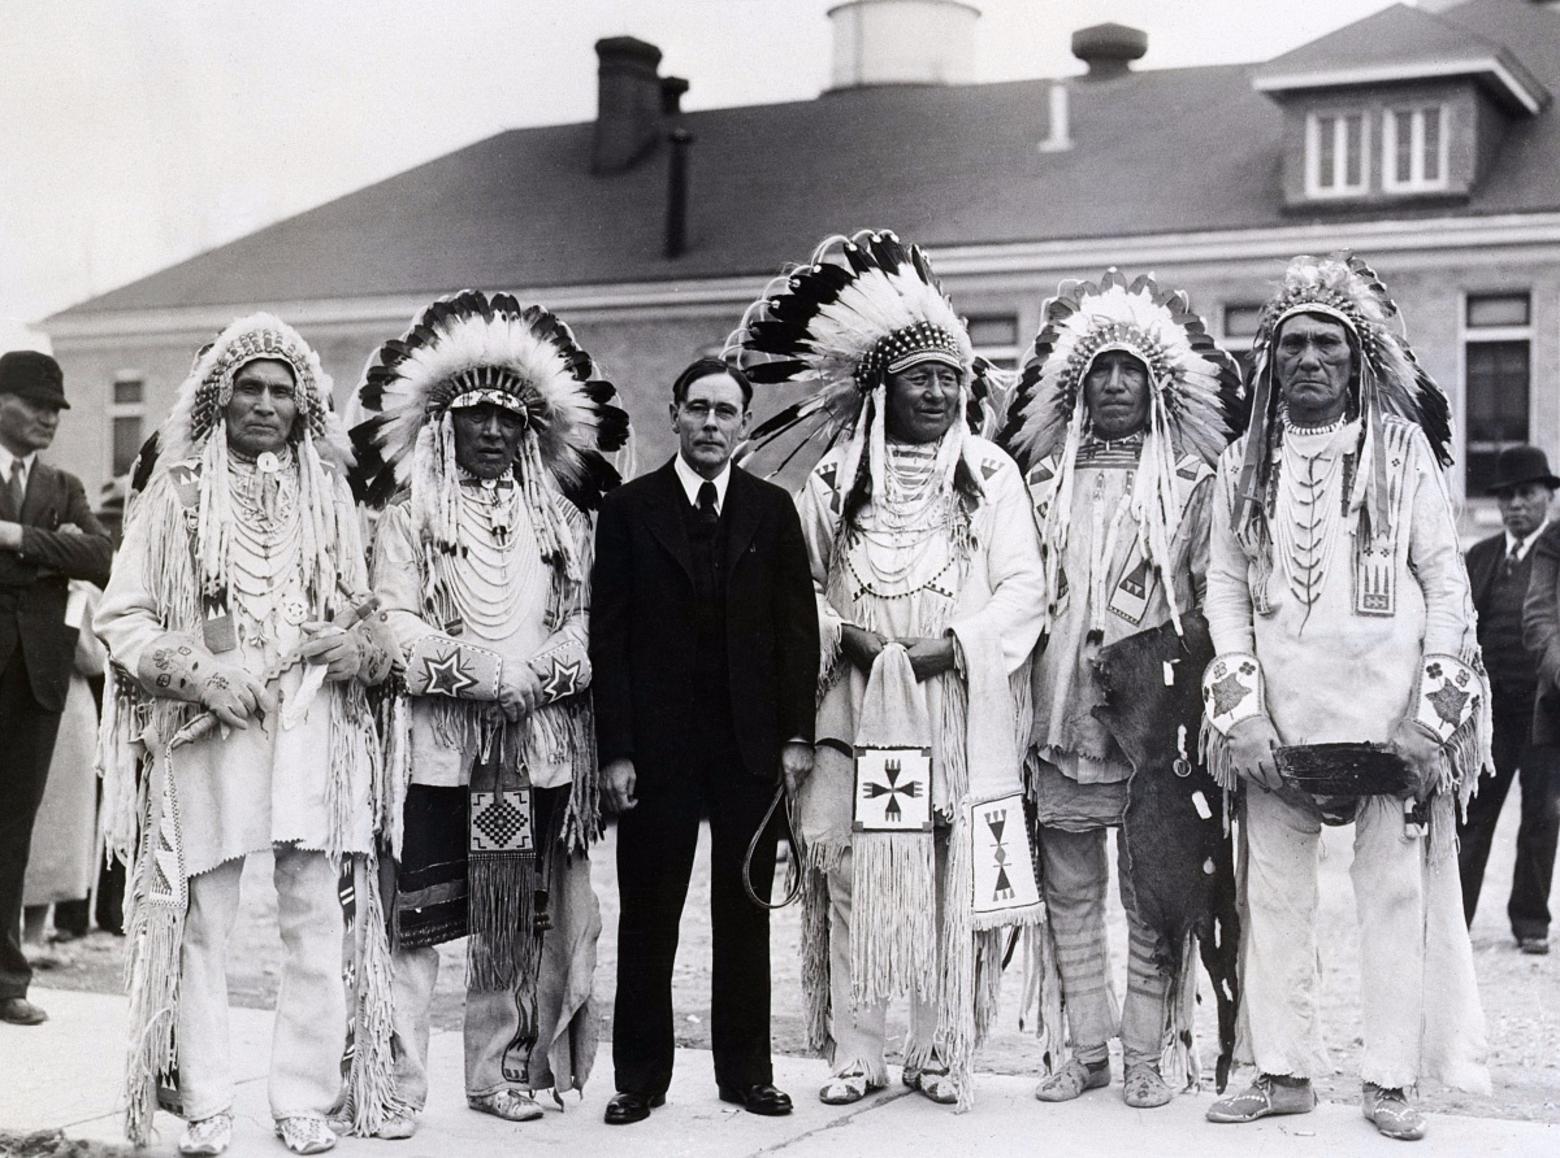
(1404,44)
(1155,152)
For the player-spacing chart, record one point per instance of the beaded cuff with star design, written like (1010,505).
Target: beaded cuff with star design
(1449,693)
(1233,690)
(440,665)
(562,670)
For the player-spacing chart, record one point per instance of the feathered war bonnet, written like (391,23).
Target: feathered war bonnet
(1195,403)
(863,308)
(469,349)
(196,429)
(1388,379)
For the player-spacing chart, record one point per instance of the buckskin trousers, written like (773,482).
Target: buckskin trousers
(1074,878)
(1280,968)
(311,1008)
(492,1019)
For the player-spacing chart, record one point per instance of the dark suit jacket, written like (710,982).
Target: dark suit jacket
(34,582)
(1483,561)
(1541,632)
(641,626)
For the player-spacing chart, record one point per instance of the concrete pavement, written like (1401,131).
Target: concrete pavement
(65,1075)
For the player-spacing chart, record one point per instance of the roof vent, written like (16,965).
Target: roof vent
(672,90)
(1109,49)
(903,42)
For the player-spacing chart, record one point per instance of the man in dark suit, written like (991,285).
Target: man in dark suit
(1499,569)
(704,646)
(48,536)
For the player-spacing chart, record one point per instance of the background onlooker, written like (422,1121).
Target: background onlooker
(1499,569)
(48,536)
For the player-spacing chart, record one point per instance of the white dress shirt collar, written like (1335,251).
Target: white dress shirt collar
(8,463)
(691,481)
(1522,546)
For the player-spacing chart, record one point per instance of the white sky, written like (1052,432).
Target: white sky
(135,133)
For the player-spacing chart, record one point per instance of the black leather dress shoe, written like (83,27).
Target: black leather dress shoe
(20,1011)
(758,1099)
(626,1108)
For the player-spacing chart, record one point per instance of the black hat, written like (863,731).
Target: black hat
(1521,464)
(33,376)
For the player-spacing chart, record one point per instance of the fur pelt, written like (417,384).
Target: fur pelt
(1178,848)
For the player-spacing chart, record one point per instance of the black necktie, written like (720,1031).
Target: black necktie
(16,490)
(707,511)
(1511,559)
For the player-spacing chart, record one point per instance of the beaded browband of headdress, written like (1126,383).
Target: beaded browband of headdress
(491,385)
(910,346)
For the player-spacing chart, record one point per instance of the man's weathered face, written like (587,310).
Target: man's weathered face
(487,438)
(1522,508)
(923,402)
(25,425)
(264,406)
(1115,391)
(710,421)
(1313,363)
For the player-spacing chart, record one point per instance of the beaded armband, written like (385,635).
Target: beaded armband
(1233,691)
(441,666)
(562,670)
(1449,693)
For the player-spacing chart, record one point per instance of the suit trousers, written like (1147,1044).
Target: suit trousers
(24,768)
(1538,770)
(655,850)
(311,1008)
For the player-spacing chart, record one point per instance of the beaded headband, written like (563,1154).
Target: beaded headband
(910,346)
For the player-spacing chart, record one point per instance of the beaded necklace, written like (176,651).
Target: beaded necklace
(902,533)
(267,537)
(1302,429)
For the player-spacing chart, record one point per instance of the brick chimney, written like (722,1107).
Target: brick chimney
(629,102)
(1108,49)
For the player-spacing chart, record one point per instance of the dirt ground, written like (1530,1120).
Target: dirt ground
(1521,993)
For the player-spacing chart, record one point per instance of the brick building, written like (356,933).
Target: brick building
(1425,138)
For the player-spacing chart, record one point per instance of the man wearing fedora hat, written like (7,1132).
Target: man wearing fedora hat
(1499,569)
(48,536)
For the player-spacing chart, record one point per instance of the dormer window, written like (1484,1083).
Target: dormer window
(1404,106)
(1336,146)
(1414,147)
